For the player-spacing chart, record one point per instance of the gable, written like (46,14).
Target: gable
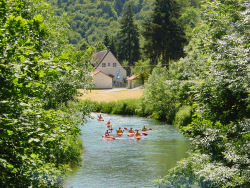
(110,59)
(97,58)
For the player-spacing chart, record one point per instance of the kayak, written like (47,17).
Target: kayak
(145,133)
(110,137)
(100,119)
(130,134)
(108,125)
(137,137)
(119,134)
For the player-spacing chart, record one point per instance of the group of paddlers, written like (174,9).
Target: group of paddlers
(131,131)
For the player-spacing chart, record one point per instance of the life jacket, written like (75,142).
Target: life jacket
(119,131)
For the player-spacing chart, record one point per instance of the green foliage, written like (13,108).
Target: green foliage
(128,37)
(143,69)
(39,74)
(158,100)
(164,36)
(198,170)
(183,117)
(91,20)
(122,107)
(217,66)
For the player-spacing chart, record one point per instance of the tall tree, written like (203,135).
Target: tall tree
(106,41)
(164,37)
(128,38)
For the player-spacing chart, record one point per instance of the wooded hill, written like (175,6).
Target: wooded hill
(90,20)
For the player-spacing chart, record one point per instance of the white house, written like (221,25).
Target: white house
(102,80)
(108,65)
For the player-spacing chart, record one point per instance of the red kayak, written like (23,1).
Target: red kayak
(108,137)
(108,125)
(119,134)
(145,133)
(130,134)
(100,119)
(137,137)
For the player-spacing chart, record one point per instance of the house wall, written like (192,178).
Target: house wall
(102,81)
(109,69)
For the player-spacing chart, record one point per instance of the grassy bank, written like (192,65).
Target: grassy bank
(181,117)
(122,107)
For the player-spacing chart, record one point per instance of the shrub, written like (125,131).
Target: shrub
(118,108)
(106,107)
(183,117)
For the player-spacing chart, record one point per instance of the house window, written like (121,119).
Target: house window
(108,64)
(104,65)
(114,64)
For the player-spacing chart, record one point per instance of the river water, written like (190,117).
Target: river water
(126,162)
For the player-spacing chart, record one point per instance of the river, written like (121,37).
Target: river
(126,162)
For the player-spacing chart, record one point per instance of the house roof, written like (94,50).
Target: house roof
(99,71)
(133,77)
(98,57)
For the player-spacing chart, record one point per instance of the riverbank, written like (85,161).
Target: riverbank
(182,117)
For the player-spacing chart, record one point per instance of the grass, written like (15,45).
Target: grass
(122,107)
(110,95)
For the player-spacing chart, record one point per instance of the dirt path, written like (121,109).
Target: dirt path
(109,95)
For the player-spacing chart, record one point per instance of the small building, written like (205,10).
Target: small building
(108,65)
(102,80)
(132,81)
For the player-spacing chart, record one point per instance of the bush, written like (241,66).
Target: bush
(106,107)
(122,107)
(118,108)
(183,117)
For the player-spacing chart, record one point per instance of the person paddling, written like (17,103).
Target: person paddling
(107,133)
(144,128)
(119,130)
(100,117)
(131,130)
(108,123)
(137,133)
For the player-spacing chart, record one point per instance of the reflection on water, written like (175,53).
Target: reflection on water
(126,162)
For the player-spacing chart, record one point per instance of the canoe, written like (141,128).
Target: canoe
(119,134)
(137,137)
(145,133)
(130,134)
(108,137)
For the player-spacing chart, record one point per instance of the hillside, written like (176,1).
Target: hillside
(92,19)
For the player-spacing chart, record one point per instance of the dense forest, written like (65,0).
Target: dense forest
(192,56)
(90,20)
